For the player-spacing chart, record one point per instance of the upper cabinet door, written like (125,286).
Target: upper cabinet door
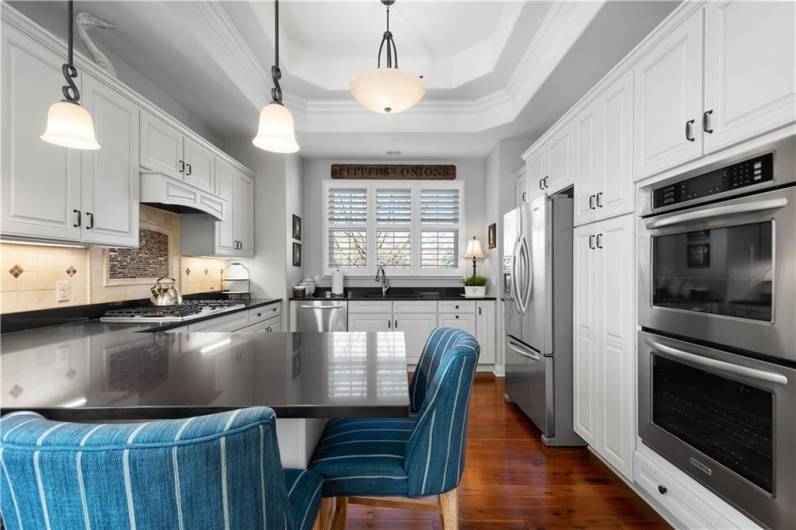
(559,160)
(535,171)
(614,192)
(244,214)
(226,177)
(668,98)
(587,130)
(750,57)
(40,181)
(199,166)
(161,147)
(110,175)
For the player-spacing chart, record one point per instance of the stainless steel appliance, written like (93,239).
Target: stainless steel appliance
(321,315)
(165,293)
(725,419)
(537,284)
(717,307)
(717,253)
(188,310)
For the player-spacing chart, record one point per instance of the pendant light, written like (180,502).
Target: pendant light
(275,132)
(69,124)
(388,90)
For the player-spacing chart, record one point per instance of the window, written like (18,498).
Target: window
(411,228)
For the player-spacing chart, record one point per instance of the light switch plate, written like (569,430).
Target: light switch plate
(63,291)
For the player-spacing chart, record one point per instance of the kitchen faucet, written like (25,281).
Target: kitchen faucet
(385,283)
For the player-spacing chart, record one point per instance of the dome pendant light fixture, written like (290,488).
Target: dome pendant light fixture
(275,132)
(69,124)
(388,90)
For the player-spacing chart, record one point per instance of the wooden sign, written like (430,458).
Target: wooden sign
(394,171)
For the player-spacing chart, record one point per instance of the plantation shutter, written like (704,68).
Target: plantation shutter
(393,227)
(439,233)
(347,211)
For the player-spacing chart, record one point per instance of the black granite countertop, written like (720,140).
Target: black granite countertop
(248,304)
(95,371)
(395,293)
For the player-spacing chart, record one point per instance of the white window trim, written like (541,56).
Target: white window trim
(415,227)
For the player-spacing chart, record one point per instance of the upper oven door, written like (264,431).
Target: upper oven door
(723,273)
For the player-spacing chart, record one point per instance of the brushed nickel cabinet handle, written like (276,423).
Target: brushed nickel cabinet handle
(689,133)
(599,197)
(591,241)
(706,122)
(599,240)
(591,202)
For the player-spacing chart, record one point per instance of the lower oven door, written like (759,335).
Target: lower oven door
(723,273)
(725,419)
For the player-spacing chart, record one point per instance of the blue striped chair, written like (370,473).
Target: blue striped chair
(220,471)
(364,460)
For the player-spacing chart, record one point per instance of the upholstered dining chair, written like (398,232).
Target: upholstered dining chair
(365,460)
(220,471)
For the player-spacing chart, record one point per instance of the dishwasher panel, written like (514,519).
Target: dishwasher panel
(321,315)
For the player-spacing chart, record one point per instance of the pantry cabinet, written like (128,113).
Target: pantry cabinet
(750,70)
(668,110)
(603,367)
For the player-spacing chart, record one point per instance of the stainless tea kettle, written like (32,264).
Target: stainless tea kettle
(165,294)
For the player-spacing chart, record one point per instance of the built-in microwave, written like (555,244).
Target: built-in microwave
(717,254)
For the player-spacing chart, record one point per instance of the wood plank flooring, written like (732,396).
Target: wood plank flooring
(512,481)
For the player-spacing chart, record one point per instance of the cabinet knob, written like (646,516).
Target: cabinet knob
(457,317)
(662,490)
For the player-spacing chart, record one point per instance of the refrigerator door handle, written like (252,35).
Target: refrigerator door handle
(523,351)
(527,273)
(514,276)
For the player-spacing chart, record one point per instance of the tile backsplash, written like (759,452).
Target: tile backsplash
(33,276)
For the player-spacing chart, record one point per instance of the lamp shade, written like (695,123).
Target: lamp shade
(474,249)
(70,125)
(388,90)
(275,132)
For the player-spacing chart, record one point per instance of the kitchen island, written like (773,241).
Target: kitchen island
(113,372)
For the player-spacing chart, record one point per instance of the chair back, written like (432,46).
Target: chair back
(216,471)
(441,388)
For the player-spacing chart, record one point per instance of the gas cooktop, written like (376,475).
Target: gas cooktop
(188,310)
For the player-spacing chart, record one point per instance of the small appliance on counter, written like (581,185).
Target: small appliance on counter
(309,287)
(299,291)
(165,294)
(236,281)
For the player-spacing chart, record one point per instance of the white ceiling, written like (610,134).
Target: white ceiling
(494,70)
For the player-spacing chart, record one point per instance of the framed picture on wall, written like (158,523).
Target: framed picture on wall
(297,254)
(491,235)
(296,227)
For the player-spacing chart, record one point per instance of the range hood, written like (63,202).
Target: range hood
(169,193)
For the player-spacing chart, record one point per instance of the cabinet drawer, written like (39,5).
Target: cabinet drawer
(382,306)
(258,314)
(453,306)
(231,322)
(405,306)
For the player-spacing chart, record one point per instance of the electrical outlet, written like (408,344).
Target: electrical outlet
(63,291)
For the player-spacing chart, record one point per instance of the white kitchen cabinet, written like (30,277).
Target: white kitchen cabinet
(416,327)
(485,330)
(559,172)
(535,171)
(243,211)
(520,188)
(750,70)
(370,322)
(199,165)
(161,147)
(40,181)
(226,179)
(228,322)
(603,337)
(668,95)
(460,321)
(603,154)
(110,182)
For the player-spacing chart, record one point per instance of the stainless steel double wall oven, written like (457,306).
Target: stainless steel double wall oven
(717,310)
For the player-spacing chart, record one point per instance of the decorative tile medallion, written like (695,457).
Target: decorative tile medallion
(187,272)
(15,271)
(15,391)
(71,271)
(206,271)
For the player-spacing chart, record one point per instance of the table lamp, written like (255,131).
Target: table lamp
(474,251)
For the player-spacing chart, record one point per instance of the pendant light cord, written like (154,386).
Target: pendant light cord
(276,73)
(392,50)
(70,91)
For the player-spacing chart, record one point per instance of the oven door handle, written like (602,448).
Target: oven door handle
(707,362)
(718,211)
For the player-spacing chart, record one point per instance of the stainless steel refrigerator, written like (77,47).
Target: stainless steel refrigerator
(537,285)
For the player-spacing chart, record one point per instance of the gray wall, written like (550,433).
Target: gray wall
(471,171)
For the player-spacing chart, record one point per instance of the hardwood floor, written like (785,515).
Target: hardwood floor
(512,481)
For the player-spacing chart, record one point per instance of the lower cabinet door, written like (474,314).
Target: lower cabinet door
(485,331)
(416,327)
(273,324)
(370,322)
(459,320)
(259,327)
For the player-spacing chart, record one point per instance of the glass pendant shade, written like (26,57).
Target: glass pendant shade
(70,125)
(388,90)
(275,132)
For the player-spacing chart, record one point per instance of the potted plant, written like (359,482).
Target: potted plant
(475,286)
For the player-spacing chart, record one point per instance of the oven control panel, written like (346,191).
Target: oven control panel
(746,173)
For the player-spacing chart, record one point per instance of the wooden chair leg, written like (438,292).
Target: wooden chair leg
(340,511)
(449,510)
(325,513)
